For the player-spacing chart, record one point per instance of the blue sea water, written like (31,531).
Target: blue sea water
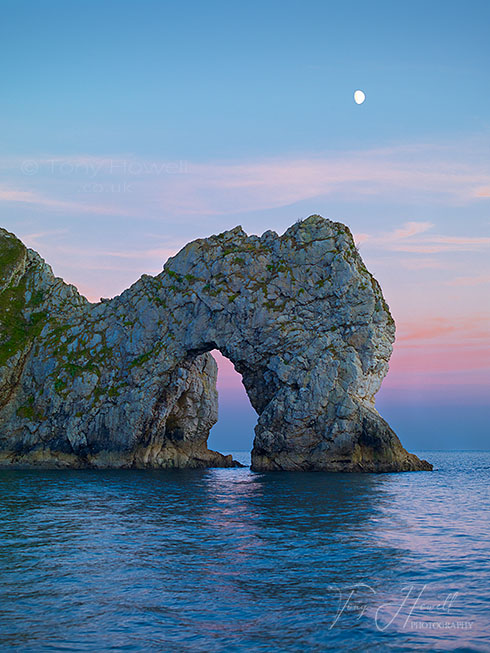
(232,560)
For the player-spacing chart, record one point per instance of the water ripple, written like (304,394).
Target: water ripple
(231,560)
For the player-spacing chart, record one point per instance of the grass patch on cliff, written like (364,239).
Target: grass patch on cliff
(11,251)
(175,275)
(144,358)
(29,411)
(17,330)
(37,298)
(60,385)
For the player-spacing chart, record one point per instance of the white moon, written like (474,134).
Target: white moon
(359,97)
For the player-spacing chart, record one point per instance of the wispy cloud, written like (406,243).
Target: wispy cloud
(482,192)
(34,239)
(419,263)
(11,195)
(414,237)
(453,331)
(407,364)
(131,185)
(441,352)
(92,258)
(395,236)
(470,281)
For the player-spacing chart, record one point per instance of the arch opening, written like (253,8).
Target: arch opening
(233,433)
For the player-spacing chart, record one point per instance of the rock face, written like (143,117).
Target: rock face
(129,382)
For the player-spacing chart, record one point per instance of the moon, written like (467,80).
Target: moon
(359,96)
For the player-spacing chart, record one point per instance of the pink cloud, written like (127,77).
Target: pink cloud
(408,230)
(161,254)
(227,187)
(413,237)
(437,354)
(467,328)
(427,331)
(483,192)
(469,281)
(462,240)
(30,197)
(443,365)
(418,263)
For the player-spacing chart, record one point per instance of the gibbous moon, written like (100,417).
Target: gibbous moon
(359,97)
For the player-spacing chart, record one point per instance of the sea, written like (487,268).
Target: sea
(235,560)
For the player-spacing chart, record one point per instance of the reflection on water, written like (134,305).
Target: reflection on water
(230,560)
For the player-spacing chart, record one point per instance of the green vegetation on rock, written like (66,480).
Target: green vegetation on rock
(17,330)
(11,251)
(29,411)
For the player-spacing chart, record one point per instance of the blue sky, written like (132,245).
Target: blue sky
(129,128)
(227,79)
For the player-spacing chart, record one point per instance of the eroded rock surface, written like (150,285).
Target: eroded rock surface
(129,383)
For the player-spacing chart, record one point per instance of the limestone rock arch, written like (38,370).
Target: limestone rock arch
(130,382)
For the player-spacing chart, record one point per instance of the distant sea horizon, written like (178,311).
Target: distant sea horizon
(243,456)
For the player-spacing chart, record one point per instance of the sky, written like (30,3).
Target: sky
(129,128)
